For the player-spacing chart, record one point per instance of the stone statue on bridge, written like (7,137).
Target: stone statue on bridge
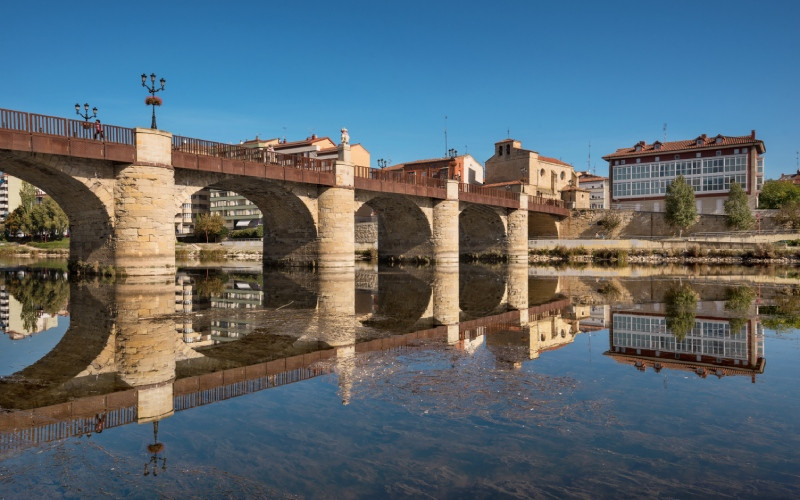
(345,136)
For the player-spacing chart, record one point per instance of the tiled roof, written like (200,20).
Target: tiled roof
(591,178)
(553,160)
(304,142)
(503,184)
(700,142)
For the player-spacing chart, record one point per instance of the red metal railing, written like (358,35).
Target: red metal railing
(33,123)
(502,194)
(397,176)
(540,200)
(243,153)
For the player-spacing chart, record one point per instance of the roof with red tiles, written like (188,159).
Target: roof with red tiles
(553,160)
(700,142)
(591,178)
(503,184)
(305,142)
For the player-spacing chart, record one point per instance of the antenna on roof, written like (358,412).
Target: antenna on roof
(665,132)
(445,135)
(589,160)
(508,132)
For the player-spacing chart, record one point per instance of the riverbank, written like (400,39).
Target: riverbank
(691,253)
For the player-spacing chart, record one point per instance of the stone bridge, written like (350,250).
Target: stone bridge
(121,195)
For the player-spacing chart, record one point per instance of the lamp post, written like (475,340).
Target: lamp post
(85,115)
(153,100)
(381,163)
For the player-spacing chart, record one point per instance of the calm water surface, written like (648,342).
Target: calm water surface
(402,382)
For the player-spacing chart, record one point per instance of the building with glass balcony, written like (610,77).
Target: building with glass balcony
(639,175)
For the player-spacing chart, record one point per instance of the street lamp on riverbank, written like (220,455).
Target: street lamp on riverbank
(152,100)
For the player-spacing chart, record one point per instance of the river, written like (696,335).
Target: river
(228,381)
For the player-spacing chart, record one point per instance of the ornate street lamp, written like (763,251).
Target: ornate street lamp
(152,100)
(381,163)
(85,115)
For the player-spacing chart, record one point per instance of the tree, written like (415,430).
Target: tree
(680,308)
(209,225)
(737,211)
(27,197)
(775,194)
(789,215)
(49,221)
(680,211)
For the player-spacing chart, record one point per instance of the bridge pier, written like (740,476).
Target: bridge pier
(445,228)
(336,207)
(518,289)
(144,233)
(517,238)
(145,342)
(446,309)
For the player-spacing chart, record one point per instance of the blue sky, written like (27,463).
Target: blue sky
(557,76)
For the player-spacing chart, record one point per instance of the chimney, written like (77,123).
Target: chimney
(752,134)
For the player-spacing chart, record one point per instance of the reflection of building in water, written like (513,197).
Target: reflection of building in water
(548,328)
(184,305)
(238,294)
(13,323)
(710,348)
(599,318)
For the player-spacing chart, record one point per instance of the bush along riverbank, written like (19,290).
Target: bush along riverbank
(761,254)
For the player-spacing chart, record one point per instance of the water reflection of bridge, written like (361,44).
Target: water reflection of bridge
(122,360)
(24,428)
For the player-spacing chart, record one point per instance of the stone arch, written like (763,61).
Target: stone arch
(482,230)
(289,212)
(482,291)
(85,343)
(83,188)
(404,225)
(542,225)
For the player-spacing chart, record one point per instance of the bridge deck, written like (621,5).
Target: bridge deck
(35,133)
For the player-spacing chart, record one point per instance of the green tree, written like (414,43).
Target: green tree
(680,211)
(775,194)
(680,308)
(738,301)
(49,221)
(789,215)
(13,223)
(209,225)
(737,211)
(27,196)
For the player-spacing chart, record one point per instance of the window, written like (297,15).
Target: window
(508,149)
(500,150)
(562,176)
(719,153)
(657,158)
(677,157)
(541,173)
(638,160)
(697,155)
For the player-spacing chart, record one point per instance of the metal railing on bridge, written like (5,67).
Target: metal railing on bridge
(32,123)
(28,132)
(244,153)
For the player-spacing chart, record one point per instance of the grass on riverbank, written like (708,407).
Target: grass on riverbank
(693,253)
